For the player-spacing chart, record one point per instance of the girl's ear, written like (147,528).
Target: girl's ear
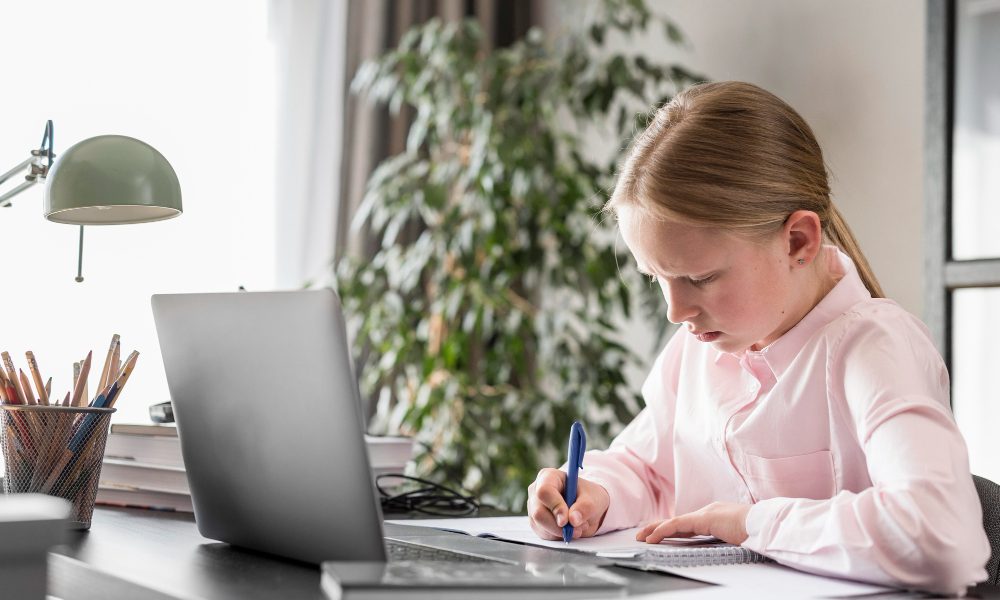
(804,235)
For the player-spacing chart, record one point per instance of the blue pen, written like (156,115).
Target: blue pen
(577,446)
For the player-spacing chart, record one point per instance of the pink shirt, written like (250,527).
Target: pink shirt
(839,433)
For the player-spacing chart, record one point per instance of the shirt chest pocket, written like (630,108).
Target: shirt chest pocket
(803,476)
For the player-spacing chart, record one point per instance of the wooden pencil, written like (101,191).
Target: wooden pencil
(43,397)
(62,461)
(116,363)
(81,381)
(12,375)
(126,371)
(48,388)
(105,372)
(29,397)
(10,391)
(86,385)
(3,389)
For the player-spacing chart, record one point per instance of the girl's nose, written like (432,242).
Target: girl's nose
(680,308)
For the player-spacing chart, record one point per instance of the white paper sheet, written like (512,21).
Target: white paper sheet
(517,529)
(756,580)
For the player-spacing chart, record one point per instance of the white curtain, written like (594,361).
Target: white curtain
(310,38)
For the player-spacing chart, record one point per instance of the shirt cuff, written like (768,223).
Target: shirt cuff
(761,521)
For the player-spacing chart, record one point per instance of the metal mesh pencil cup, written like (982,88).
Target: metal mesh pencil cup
(55,450)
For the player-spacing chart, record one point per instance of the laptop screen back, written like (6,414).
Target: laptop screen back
(270,425)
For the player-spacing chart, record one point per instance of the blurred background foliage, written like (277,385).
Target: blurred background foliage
(485,323)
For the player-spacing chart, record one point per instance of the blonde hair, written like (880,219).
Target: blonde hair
(734,156)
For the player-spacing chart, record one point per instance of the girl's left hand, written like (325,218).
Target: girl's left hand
(724,520)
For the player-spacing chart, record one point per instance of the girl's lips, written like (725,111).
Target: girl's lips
(708,336)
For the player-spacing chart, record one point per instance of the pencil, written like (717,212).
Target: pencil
(11,391)
(65,401)
(57,470)
(43,397)
(107,363)
(3,389)
(86,384)
(12,375)
(116,363)
(48,388)
(29,397)
(81,381)
(116,388)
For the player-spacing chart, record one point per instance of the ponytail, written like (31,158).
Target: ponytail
(736,157)
(840,235)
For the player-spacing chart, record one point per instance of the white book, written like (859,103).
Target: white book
(161,478)
(159,445)
(145,449)
(137,498)
(166,430)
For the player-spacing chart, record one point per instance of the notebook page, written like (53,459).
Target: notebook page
(517,529)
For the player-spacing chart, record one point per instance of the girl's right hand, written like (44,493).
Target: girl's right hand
(547,510)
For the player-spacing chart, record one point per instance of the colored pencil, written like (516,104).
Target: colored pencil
(81,381)
(10,391)
(116,388)
(12,375)
(48,388)
(43,397)
(107,363)
(116,363)
(29,397)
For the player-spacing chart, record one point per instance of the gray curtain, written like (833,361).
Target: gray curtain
(370,134)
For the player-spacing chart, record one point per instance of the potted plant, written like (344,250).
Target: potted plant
(486,321)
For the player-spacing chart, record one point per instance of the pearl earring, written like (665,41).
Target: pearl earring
(802,261)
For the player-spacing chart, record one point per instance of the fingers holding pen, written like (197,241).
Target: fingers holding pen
(547,510)
(587,513)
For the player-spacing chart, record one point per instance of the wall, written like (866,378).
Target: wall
(854,70)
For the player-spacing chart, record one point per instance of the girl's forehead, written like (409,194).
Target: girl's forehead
(671,247)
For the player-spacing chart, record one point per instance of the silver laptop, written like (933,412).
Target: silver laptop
(270,425)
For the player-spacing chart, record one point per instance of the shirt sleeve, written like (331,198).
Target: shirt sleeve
(637,469)
(920,524)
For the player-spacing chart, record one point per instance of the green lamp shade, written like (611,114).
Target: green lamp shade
(111,180)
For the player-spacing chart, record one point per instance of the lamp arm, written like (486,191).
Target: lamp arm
(39,164)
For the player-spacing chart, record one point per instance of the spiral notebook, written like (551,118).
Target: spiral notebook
(619,546)
(700,555)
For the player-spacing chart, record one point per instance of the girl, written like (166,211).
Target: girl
(797,412)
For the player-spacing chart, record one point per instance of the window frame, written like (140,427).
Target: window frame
(943,274)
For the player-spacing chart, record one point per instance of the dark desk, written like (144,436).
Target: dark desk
(135,554)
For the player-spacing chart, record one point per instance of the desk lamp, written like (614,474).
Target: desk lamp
(103,180)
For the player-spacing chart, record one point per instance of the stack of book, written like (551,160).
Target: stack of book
(143,466)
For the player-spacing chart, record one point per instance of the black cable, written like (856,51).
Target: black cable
(429,499)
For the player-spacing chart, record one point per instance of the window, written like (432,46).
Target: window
(196,81)
(963,214)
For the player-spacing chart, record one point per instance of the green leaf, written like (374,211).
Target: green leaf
(484,317)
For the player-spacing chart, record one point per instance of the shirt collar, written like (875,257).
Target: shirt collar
(847,292)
